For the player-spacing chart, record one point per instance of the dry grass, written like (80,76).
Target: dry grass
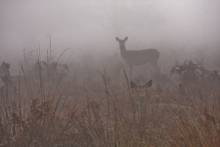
(101,111)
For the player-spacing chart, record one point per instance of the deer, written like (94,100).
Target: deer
(138,57)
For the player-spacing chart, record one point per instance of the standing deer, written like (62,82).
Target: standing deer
(138,57)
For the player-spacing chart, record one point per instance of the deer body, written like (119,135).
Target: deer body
(141,57)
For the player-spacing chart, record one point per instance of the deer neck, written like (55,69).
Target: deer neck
(122,50)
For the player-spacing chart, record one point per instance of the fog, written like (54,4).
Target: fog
(91,25)
(104,73)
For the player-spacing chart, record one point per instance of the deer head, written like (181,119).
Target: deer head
(140,89)
(121,42)
(136,86)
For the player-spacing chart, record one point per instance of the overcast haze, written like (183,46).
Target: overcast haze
(93,24)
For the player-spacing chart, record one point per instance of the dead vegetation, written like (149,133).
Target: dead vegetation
(53,106)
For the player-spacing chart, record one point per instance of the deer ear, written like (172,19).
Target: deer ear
(133,85)
(117,39)
(126,38)
(148,84)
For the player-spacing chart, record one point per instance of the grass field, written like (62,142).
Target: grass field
(84,108)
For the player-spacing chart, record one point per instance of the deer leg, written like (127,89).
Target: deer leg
(131,71)
(155,67)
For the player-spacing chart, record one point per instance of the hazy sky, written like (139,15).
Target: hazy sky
(93,24)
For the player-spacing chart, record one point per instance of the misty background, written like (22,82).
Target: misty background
(182,27)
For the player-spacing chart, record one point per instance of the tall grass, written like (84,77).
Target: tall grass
(49,110)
